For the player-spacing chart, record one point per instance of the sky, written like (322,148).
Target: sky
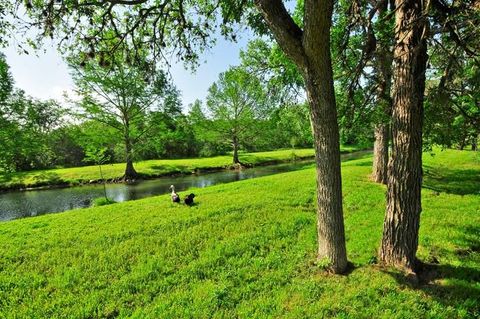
(44,75)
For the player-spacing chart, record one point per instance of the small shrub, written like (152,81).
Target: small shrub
(102,201)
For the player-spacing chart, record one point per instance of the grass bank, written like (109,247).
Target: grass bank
(147,169)
(246,250)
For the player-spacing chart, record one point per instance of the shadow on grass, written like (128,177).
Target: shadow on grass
(470,241)
(17,179)
(439,179)
(47,177)
(454,286)
(454,181)
(357,155)
(250,159)
(449,285)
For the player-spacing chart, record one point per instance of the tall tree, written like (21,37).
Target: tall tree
(309,49)
(235,102)
(453,95)
(120,96)
(363,34)
(25,132)
(457,21)
(383,58)
(7,127)
(402,218)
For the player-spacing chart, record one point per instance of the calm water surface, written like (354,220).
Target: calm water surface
(21,204)
(38,202)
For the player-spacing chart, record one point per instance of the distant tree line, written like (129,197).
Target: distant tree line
(122,112)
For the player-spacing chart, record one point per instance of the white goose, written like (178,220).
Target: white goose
(175,197)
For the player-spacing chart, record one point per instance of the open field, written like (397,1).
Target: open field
(152,168)
(246,249)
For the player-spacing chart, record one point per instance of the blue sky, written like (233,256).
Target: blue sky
(44,74)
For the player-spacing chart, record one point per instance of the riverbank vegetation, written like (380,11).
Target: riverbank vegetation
(149,169)
(247,249)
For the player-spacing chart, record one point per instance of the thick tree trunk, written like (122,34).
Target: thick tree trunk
(380,153)
(130,172)
(402,218)
(330,225)
(318,76)
(309,49)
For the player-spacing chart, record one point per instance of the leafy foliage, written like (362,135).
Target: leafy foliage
(235,102)
(121,96)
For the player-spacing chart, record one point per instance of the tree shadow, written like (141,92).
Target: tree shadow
(470,241)
(47,177)
(16,180)
(252,160)
(441,179)
(450,285)
(346,157)
(359,163)
(454,181)
(5,177)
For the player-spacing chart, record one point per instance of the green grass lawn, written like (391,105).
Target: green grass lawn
(247,250)
(152,168)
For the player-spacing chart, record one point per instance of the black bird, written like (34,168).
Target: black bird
(175,197)
(189,199)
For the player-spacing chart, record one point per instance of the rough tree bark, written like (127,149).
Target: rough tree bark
(309,49)
(402,218)
(383,69)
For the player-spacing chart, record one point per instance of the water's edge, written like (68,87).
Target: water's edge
(53,199)
(118,180)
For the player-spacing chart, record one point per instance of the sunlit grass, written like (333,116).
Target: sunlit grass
(151,168)
(246,249)
(85,174)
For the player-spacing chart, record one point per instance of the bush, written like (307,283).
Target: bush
(102,201)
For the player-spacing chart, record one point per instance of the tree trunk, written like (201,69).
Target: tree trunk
(318,76)
(130,172)
(380,153)
(235,150)
(330,225)
(474,143)
(309,49)
(402,218)
(383,69)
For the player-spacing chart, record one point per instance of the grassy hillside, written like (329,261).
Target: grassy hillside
(152,168)
(247,249)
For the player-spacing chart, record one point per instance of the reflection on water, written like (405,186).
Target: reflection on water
(37,202)
(32,203)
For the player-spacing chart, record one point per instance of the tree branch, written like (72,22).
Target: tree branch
(287,33)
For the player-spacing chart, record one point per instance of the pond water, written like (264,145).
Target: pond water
(37,202)
(21,204)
